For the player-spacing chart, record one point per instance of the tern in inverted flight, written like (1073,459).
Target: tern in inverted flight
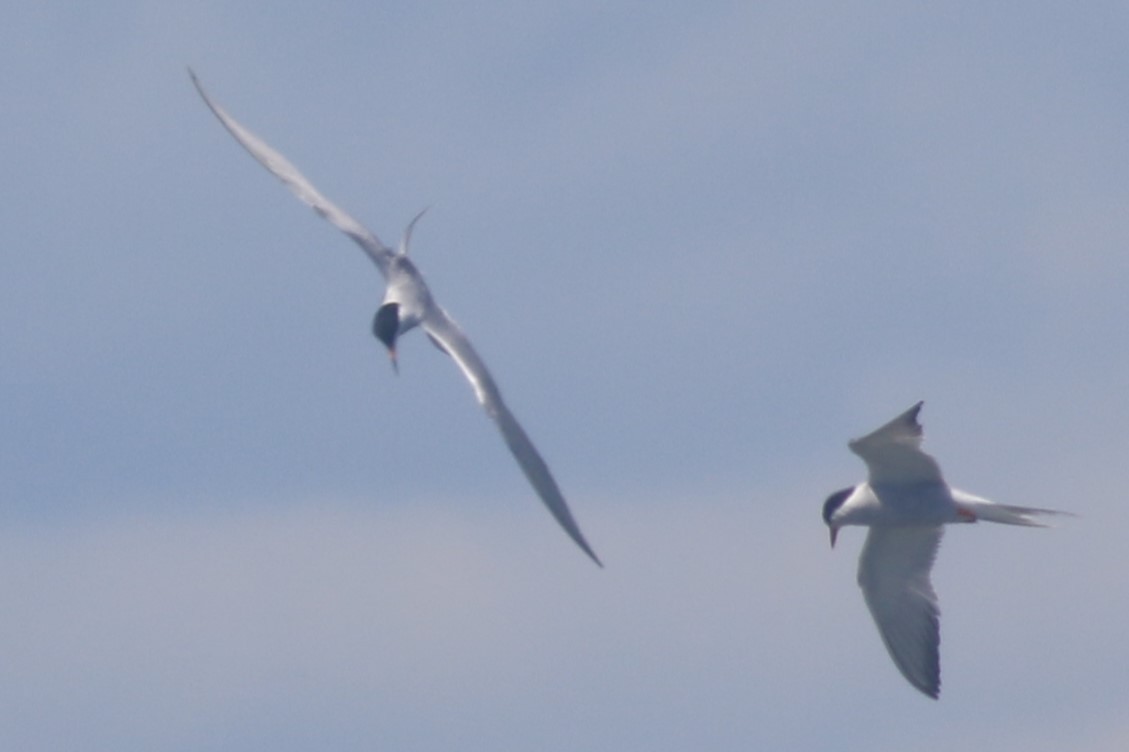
(905,503)
(407,304)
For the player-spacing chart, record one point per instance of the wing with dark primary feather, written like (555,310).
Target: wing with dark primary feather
(894,576)
(449,337)
(282,169)
(893,453)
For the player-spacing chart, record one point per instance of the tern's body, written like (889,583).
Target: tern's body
(905,503)
(408,303)
(405,287)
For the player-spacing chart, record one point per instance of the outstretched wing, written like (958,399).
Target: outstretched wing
(894,577)
(282,169)
(450,338)
(893,453)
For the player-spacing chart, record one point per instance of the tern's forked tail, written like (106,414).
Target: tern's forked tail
(1007,514)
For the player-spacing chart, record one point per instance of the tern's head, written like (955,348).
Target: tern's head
(830,507)
(386,326)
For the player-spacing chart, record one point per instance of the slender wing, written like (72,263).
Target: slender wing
(893,452)
(450,338)
(282,169)
(894,577)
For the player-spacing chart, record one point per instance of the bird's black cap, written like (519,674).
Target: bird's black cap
(834,501)
(387,324)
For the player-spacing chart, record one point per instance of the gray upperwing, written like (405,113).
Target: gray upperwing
(285,171)
(893,453)
(450,338)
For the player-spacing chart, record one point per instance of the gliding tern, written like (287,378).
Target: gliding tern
(407,304)
(905,503)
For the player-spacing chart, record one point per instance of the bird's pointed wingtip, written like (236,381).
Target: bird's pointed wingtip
(596,559)
(200,89)
(915,410)
(578,539)
(573,530)
(930,686)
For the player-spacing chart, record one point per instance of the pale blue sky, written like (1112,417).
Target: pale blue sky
(700,249)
